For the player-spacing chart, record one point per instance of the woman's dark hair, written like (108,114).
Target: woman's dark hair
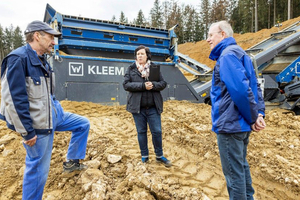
(148,53)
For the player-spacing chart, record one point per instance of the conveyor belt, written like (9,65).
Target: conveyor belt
(265,51)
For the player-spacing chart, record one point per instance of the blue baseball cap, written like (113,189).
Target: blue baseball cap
(40,26)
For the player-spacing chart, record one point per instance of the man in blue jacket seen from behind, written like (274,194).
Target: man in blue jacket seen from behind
(29,107)
(237,108)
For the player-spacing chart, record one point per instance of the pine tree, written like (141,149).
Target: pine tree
(231,5)
(243,17)
(1,44)
(156,15)
(230,12)
(205,15)
(113,19)
(295,11)
(189,23)
(262,14)
(8,40)
(17,38)
(140,20)
(122,18)
(199,29)
(219,10)
(175,18)
(166,7)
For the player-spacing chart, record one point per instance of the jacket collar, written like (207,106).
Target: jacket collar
(33,56)
(217,50)
(133,65)
(135,69)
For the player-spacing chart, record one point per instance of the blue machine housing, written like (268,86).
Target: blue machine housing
(94,37)
(91,57)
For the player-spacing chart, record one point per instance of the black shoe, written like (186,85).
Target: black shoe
(164,160)
(72,165)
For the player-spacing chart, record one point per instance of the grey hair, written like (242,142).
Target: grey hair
(29,36)
(224,26)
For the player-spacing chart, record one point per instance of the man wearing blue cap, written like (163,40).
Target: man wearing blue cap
(29,107)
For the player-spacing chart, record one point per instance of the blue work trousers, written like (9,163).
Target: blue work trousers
(39,155)
(233,152)
(153,118)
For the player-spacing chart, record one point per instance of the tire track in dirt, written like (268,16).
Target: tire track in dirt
(185,140)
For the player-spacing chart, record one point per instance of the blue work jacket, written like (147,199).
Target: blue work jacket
(26,95)
(235,93)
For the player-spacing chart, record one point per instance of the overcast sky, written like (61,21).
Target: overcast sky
(21,12)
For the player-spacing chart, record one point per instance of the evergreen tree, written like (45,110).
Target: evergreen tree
(236,20)
(243,17)
(122,18)
(262,14)
(172,14)
(204,14)
(295,10)
(1,44)
(269,13)
(231,5)
(8,40)
(189,16)
(219,10)
(156,15)
(199,29)
(17,38)
(175,18)
(140,20)
(113,19)
(282,10)
(166,7)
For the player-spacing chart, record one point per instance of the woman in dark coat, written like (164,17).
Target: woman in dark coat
(145,102)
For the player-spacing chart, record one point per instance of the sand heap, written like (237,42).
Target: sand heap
(200,51)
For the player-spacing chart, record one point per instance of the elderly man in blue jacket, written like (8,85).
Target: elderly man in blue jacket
(29,107)
(237,108)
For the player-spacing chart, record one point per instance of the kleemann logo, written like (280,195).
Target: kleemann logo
(75,69)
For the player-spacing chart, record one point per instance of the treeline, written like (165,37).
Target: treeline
(10,39)
(193,22)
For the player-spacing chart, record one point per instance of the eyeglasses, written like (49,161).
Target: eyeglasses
(211,34)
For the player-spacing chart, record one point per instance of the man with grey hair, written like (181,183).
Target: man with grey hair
(29,107)
(237,108)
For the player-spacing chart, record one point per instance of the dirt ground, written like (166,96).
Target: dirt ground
(274,157)
(115,170)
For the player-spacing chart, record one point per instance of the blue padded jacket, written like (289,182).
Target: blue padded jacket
(235,93)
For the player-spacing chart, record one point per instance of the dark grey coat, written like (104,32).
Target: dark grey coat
(134,83)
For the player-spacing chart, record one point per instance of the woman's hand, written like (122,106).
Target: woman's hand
(148,85)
